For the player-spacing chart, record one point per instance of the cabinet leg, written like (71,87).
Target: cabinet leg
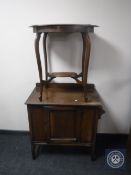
(93,156)
(93,153)
(35,150)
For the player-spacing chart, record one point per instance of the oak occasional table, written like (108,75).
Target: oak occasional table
(63,113)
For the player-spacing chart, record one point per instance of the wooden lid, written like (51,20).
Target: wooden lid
(64,94)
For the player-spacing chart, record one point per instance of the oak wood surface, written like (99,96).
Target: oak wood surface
(68,94)
(63,28)
(45,30)
(61,126)
(63,117)
(63,113)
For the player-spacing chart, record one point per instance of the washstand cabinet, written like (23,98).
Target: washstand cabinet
(63,113)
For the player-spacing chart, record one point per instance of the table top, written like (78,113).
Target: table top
(63,28)
(64,94)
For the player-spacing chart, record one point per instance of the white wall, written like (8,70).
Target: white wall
(110,65)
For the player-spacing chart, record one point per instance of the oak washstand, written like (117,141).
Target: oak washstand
(63,113)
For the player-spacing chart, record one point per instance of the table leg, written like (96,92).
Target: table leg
(85,61)
(45,57)
(39,62)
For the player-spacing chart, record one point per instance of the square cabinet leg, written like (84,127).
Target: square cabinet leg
(93,153)
(35,149)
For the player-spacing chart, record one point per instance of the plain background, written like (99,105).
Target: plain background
(110,64)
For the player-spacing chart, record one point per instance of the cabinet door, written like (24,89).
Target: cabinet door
(61,124)
(72,125)
(64,125)
(39,123)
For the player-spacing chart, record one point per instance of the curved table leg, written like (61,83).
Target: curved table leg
(85,61)
(39,62)
(45,57)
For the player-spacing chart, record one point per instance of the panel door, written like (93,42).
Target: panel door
(64,125)
(71,126)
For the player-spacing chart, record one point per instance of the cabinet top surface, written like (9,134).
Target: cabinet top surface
(64,28)
(64,94)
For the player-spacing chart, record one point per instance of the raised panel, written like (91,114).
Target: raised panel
(62,124)
(87,124)
(39,123)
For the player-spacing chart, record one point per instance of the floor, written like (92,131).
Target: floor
(15,159)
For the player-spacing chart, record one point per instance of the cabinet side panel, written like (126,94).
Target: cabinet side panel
(87,125)
(38,123)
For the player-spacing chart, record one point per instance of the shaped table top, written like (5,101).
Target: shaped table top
(63,28)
